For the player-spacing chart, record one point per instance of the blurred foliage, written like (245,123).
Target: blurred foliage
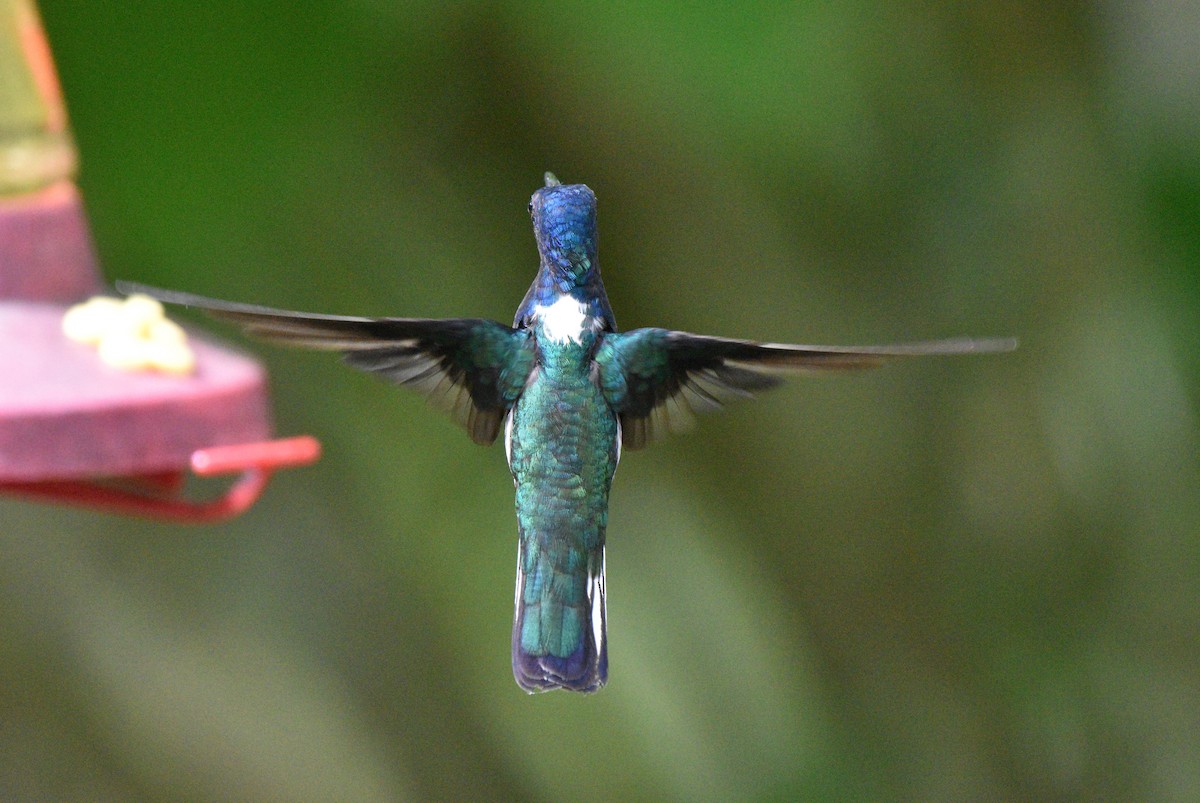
(948,580)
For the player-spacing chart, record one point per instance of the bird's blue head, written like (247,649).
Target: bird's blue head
(564,222)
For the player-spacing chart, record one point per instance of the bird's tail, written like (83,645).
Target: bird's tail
(558,640)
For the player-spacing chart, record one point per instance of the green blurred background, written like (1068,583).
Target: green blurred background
(947,580)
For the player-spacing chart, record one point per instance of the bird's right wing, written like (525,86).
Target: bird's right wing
(655,378)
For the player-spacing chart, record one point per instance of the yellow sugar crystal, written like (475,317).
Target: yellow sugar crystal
(131,335)
(138,314)
(166,331)
(125,351)
(87,322)
(172,357)
(143,307)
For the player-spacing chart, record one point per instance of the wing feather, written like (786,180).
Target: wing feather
(657,379)
(472,368)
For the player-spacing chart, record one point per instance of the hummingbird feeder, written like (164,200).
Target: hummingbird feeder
(74,428)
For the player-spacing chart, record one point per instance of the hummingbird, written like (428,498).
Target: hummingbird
(570,392)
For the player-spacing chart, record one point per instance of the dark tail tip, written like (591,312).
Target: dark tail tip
(585,670)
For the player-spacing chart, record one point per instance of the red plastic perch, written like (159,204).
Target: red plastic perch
(254,461)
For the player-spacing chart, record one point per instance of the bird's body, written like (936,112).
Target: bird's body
(563,444)
(569,391)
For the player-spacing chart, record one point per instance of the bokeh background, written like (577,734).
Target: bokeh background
(956,579)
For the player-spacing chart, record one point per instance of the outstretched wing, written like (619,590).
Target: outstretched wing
(472,367)
(656,378)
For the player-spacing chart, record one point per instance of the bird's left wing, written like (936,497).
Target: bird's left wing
(656,378)
(472,367)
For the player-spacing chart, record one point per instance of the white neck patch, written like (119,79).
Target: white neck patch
(564,320)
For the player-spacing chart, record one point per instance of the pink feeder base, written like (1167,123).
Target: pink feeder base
(76,431)
(64,414)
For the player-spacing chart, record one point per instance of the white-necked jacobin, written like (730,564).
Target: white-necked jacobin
(570,392)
